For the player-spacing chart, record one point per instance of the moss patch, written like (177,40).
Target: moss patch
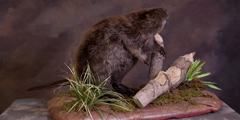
(68,105)
(167,97)
(182,93)
(197,85)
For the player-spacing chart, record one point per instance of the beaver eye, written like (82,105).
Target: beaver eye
(156,11)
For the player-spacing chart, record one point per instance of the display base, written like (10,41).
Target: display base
(167,111)
(36,109)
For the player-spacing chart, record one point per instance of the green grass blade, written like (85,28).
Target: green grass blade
(197,70)
(191,69)
(104,82)
(123,107)
(89,112)
(73,106)
(80,108)
(189,72)
(194,74)
(214,87)
(99,112)
(194,65)
(70,69)
(61,100)
(203,75)
(206,82)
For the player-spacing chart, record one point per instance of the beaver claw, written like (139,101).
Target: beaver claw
(163,53)
(147,62)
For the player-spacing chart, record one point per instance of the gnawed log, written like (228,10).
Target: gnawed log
(164,81)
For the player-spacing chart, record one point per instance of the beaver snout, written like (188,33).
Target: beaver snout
(166,14)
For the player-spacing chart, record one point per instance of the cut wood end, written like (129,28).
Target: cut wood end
(192,54)
(139,104)
(189,57)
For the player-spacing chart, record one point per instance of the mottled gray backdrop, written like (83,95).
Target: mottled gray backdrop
(38,36)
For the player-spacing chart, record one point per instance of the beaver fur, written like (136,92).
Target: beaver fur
(114,45)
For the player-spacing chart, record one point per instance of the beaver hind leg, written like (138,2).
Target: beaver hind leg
(116,84)
(124,89)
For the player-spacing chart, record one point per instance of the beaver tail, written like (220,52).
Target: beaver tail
(49,85)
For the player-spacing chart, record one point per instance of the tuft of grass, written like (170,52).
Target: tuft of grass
(194,72)
(90,94)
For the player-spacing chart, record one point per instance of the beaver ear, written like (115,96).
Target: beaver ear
(144,15)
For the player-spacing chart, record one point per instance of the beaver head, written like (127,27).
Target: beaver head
(151,20)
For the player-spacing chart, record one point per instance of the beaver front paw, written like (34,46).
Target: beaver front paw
(147,62)
(163,53)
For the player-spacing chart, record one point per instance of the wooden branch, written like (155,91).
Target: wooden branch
(164,81)
(156,59)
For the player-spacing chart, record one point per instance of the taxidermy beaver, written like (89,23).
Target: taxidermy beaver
(114,45)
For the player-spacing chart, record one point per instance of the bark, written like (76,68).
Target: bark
(164,81)
(156,59)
